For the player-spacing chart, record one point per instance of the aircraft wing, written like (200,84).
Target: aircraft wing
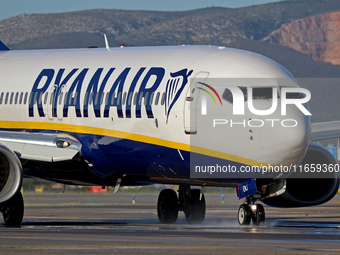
(46,147)
(325,130)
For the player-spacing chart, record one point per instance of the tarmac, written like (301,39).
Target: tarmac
(102,223)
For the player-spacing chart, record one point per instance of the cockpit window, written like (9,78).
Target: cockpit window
(227,95)
(294,95)
(262,93)
(258,93)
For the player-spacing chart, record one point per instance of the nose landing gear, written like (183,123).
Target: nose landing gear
(250,210)
(254,212)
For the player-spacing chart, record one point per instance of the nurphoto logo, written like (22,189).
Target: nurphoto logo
(279,98)
(239,100)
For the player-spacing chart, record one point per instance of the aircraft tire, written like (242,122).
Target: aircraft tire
(258,216)
(244,214)
(13,210)
(195,210)
(167,206)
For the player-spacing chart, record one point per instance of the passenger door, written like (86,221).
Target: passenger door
(191,101)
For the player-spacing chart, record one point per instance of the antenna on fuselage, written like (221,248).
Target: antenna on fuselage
(106,43)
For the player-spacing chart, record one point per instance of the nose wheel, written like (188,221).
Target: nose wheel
(258,214)
(251,212)
(244,214)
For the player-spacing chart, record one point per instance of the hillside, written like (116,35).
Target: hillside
(206,26)
(316,36)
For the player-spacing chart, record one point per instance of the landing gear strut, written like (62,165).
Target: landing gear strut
(13,210)
(190,201)
(251,211)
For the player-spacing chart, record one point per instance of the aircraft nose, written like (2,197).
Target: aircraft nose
(286,143)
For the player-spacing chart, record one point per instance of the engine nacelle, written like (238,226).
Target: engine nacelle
(306,188)
(10,174)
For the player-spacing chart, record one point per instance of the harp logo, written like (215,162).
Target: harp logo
(174,88)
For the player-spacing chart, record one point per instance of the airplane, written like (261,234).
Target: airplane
(183,115)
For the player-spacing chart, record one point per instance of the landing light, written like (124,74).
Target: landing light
(253,207)
(62,144)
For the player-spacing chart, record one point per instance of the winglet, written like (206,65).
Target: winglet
(3,46)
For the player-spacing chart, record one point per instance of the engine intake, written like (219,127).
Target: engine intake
(308,188)
(10,174)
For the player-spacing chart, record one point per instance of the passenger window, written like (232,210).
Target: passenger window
(113,98)
(130,98)
(20,98)
(146,98)
(96,100)
(119,96)
(124,99)
(107,99)
(228,96)
(91,98)
(11,99)
(46,97)
(1,97)
(163,99)
(151,97)
(69,95)
(86,97)
(157,98)
(135,99)
(26,96)
(6,98)
(75,98)
(40,98)
(140,98)
(61,97)
(51,98)
(16,98)
(101,98)
(68,98)
(35,98)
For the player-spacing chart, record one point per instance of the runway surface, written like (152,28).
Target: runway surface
(86,223)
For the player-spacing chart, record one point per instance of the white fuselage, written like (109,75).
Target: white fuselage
(150,95)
